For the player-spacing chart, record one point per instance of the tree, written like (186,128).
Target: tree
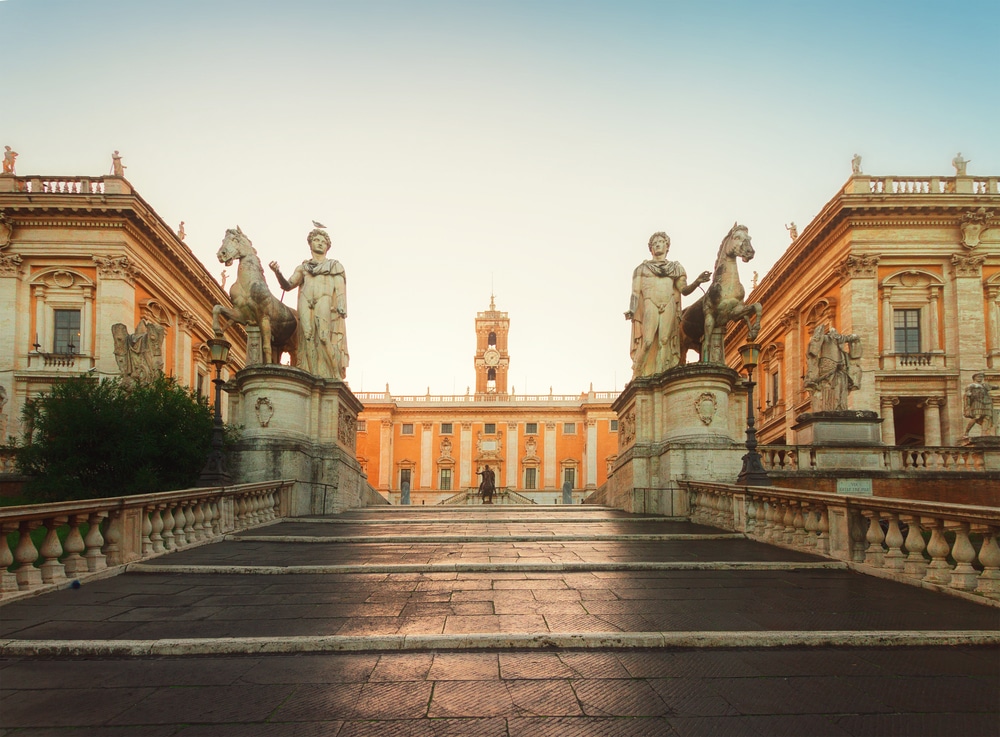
(88,439)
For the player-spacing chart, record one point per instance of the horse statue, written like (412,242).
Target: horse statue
(253,303)
(704,322)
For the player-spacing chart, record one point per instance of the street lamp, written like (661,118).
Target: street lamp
(214,473)
(752,473)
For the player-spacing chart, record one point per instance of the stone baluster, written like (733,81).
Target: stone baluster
(147,532)
(799,527)
(113,534)
(810,524)
(94,543)
(25,555)
(823,531)
(168,529)
(199,520)
(241,512)
(272,501)
(211,519)
(989,557)
(858,531)
(750,523)
(74,563)
(180,519)
(52,570)
(188,511)
(894,559)
(916,564)
(964,577)
(787,534)
(156,529)
(8,580)
(938,571)
(874,536)
(760,517)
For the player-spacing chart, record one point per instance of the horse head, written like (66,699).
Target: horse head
(234,246)
(737,243)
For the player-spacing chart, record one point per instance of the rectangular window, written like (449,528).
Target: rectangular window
(775,388)
(569,477)
(569,428)
(407,428)
(362,425)
(613,426)
(446,428)
(530,478)
(490,428)
(67,335)
(201,381)
(906,330)
(404,478)
(530,428)
(445,479)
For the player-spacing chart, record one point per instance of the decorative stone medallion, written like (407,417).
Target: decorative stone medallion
(705,406)
(264,410)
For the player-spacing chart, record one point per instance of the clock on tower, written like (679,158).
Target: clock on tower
(492,359)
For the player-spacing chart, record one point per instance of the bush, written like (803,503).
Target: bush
(87,439)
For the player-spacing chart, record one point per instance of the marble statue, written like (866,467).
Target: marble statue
(8,160)
(322,304)
(793,230)
(856,164)
(140,355)
(977,404)
(830,374)
(655,309)
(180,231)
(959,163)
(117,167)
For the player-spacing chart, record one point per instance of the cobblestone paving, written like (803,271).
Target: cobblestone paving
(497,691)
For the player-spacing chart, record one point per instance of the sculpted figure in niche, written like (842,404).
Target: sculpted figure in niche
(655,309)
(829,369)
(977,404)
(140,355)
(322,304)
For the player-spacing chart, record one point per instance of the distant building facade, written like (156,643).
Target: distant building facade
(79,254)
(435,445)
(911,265)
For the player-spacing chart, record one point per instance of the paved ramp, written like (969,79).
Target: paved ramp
(503,621)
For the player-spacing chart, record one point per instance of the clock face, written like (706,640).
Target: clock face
(491,357)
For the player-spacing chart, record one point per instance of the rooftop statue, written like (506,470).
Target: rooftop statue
(117,167)
(704,322)
(793,230)
(959,163)
(655,309)
(322,286)
(830,375)
(856,164)
(140,355)
(253,303)
(9,157)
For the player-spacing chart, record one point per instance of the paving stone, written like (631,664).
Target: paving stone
(588,727)
(634,698)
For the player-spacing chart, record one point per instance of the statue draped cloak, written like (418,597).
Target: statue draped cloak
(332,354)
(637,304)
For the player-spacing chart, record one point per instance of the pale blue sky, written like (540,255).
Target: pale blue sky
(533,146)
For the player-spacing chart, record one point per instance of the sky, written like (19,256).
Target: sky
(525,149)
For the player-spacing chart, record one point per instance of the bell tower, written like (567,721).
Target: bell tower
(492,359)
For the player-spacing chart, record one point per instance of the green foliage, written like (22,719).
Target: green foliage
(88,439)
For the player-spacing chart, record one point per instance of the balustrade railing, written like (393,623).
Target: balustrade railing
(952,547)
(930,185)
(498,398)
(903,458)
(105,533)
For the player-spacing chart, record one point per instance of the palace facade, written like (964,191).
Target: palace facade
(435,445)
(79,254)
(909,264)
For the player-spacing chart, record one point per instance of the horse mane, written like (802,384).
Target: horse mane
(239,235)
(736,226)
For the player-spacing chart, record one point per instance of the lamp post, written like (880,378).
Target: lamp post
(752,473)
(214,473)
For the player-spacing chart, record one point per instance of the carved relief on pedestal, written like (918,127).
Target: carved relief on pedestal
(973,224)
(116,267)
(855,266)
(347,427)
(264,409)
(968,265)
(705,406)
(626,429)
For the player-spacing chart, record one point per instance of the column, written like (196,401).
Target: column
(933,339)
(511,473)
(888,419)
(465,457)
(40,337)
(887,333)
(87,344)
(590,457)
(426,455)
(549,456)
(932,421)
(385,454)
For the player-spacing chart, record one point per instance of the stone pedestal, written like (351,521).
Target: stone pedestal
(297,426)
(845,427)
(678,425)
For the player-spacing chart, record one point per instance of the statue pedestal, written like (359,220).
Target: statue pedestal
(677,425)
(297,426)
(844,427)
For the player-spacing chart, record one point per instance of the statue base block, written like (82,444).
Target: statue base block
(298,426)
(677,425)
(841,427)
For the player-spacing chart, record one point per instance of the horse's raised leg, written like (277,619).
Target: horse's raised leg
(706,339)
(265,337)
(219,312)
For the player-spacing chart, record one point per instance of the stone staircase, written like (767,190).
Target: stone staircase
(504,620)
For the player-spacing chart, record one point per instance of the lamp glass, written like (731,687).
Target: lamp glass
(750,354)
(219,349)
